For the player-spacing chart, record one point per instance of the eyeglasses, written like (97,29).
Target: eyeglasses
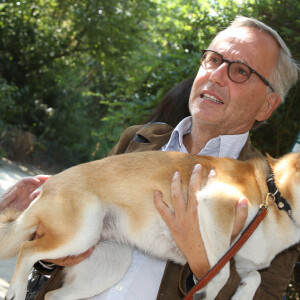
(237,71)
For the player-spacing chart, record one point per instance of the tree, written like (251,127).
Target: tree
(76,73)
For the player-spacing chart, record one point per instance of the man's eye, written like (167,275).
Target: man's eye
(239,70)
(242,71)
(213,59)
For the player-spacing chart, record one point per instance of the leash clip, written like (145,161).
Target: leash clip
(270,199)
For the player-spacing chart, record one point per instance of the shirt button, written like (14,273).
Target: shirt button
(119,288)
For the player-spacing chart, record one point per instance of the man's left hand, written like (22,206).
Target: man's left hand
(184,224)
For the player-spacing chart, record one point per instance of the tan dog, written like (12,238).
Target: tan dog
(110,203)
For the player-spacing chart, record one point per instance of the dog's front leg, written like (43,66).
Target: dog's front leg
(215,285)
(248,286)
(102,269)
(216,213)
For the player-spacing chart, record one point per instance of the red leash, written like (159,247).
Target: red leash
(232,251)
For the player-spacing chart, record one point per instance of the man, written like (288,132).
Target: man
(243,77)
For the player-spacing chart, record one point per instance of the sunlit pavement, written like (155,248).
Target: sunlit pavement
(9,174)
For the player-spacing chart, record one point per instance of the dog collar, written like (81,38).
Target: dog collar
(280,201)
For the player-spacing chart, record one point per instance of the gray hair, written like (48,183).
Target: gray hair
(286,71)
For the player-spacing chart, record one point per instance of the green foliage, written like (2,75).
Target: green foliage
(278,135)
(76,73)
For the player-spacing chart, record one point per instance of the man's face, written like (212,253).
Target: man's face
(229,107)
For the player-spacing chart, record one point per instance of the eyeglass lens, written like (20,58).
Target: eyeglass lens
(237,71)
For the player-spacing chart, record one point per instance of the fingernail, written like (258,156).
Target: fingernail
(176,174)
(197,167)
(157,193)
(212,173)
(243,202)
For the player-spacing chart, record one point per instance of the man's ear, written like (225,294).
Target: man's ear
(273,100)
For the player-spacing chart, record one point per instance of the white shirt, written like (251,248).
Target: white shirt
(221,146)
(136,281)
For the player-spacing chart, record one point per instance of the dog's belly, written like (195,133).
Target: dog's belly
(153,238)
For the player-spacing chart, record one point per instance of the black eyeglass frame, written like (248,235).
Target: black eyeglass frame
(265,81)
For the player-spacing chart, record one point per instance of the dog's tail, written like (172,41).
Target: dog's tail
(13,233)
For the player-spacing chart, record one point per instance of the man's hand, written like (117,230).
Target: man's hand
(183,221)
(71,260)
(20,195)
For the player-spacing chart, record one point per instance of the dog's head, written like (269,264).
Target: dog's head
(287,178)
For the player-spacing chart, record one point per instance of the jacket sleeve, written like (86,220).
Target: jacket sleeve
(124,140)
(226,292)
(147,137)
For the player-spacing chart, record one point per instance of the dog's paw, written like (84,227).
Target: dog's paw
(15,294)
(9,296)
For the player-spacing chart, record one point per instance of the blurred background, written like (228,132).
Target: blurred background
(74,74)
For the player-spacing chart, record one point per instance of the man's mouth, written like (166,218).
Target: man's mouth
(211,98)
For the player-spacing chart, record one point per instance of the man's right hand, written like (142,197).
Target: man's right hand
(20,195)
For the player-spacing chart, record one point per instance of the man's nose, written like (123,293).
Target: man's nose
(220,75)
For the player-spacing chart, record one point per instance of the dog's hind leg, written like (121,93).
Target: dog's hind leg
(17,289)
(57,241)
(102,269)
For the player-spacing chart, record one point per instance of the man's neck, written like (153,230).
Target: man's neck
(195,141)
(201,134)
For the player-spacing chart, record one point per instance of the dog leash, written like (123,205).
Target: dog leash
(194,293)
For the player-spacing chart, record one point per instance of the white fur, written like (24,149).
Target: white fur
(267,241)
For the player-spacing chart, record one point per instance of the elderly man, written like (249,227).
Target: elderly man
(244,75)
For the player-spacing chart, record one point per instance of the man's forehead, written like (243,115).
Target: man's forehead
(238,35)
(246,44)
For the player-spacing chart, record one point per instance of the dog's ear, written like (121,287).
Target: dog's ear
(271,160)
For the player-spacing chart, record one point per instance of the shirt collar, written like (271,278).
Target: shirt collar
(221,146)
(175,142)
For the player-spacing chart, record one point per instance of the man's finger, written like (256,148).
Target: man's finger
(241,214)
(71,260)
(8,197)
(74,260)
(194,186)
(27,181)
(166,213)
(42,178)
(34,194)
(178,199)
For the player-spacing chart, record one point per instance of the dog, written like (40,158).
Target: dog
(109,203)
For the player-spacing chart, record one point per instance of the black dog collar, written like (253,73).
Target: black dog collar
(280,201)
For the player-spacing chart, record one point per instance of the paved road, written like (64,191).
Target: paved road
(9,174)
